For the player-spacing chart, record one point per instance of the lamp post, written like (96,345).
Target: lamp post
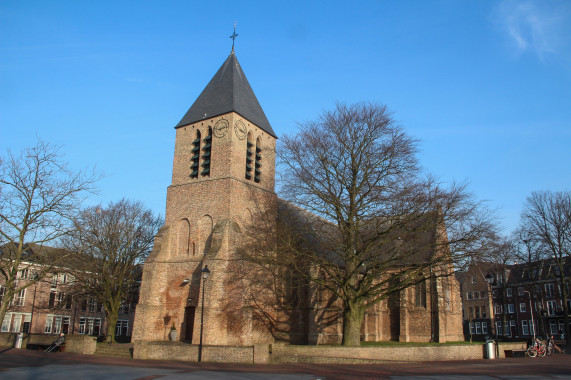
(205,272)
(531,312)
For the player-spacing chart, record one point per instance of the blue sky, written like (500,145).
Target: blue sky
(484,85)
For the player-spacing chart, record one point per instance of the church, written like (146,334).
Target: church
(223,174)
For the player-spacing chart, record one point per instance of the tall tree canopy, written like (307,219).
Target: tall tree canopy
(113,240)
(39,197)
(546,226)
(380,225)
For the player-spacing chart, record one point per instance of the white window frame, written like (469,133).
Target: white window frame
(484,327)
(21,298)
(468,296)
(478,328)
(524,327)
(522,308)
(511,308)
(551,307)
(520,291)
(509,292)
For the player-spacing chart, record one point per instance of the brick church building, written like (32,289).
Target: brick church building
(223,173)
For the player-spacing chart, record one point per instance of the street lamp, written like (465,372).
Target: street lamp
(531,312)
(205,272)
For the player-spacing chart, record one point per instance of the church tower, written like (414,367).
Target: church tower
(223,171)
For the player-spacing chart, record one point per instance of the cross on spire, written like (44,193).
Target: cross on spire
(233,36)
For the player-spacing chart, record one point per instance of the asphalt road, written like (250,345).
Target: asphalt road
(37,365)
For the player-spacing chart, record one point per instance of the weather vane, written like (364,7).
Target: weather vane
(233,36)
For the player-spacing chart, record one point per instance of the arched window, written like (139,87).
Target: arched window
(206,150)
(195,156)
(184,237)
(249,157)
(258,166)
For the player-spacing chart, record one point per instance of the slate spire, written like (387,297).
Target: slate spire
(228,91)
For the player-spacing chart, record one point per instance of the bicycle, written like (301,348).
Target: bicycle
(537,348)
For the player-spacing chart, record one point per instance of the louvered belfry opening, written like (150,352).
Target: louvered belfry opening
(249,157)
(258,166)
(206,151)
(195,156)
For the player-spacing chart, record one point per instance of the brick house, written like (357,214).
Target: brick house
(223,174)
(50,306)
(518,299)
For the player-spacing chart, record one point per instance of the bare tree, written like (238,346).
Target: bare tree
(39,196)
(113,240)
(377,226)
(546,219)
(501,256)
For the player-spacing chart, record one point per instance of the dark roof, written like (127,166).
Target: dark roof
(228,91)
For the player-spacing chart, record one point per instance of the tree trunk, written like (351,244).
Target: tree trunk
(352,321)
(111,322)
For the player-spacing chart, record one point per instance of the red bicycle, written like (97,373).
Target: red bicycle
(536,349)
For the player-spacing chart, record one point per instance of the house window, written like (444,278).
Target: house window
(474,279)
(89,326)
(509,292)
(122,328)
(420,294)
(124,309)
(52,301)
(469,295)
(92,304)
(513,328)
(497,309)
(522,307)
(511,308)
(6,322)
(520,291)
(482,294)
(2,291)
(206,151)
(532,326)
(524,328)
(551,307)
(499,327)
(478,328)
(549,290)
(484,327)
(21,297)
(49,323)
(476,295)
(470,313)
(24,274)
(471,327)
(477,310)
(483,310)
(553,327)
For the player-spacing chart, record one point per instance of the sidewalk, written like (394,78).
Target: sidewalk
(38,365)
